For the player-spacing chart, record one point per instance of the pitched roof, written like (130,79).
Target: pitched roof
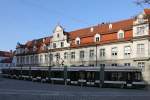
(147,11)
(102,29)
(5,54)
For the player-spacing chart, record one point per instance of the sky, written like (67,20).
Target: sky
(24,20)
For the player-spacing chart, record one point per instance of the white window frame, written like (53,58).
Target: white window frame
(140,49)
(102,52)
(120,36)
(77,41)
(82,54)
(114,51)
(141,65)
(140,30)
(127,50)
(91,53)
(97,37)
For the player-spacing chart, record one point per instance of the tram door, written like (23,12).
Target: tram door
(129,77)
(90,76)
(82,75)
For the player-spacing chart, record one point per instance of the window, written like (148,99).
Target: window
(51,57)
(102,52)
(31,59)
(36,59)
(140,19)
(54,45)
(91,65)
(114,65)
(77,41)
(65,55)
(97,37)
(46,58)
(58,35)
(120,34)
(140,49)
(81,54)
(102,65)
(141,64)
(34,48)
(57,55)
(127,64)
(27,59)
(62,44)
(114,51)
(91,53)
(72,55)
(138,76)
(41,58)
(127,50)
(140,30)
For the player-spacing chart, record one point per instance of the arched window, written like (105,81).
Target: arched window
(97,37)
(77,41)
(34,48)
(120,34)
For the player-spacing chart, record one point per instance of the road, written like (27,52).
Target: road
(11,89)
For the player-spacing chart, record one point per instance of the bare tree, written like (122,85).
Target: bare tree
(142,2)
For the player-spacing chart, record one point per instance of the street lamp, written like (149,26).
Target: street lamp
(49,67)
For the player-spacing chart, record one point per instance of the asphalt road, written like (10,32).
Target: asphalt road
(11,89)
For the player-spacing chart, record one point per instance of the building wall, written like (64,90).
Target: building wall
(139,50)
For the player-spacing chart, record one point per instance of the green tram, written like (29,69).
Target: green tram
(122,77)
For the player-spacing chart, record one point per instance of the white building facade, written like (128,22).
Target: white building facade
(119,44)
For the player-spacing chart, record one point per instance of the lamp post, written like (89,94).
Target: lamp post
(101,76)
(96,56)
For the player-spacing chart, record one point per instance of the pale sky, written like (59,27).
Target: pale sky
(23,20)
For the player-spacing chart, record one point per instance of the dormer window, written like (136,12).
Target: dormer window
(97,38)
(92,29)
(34,48)
(43,40)
(140,19)
(120,34)
(110,26)
(77,41)
(26,50)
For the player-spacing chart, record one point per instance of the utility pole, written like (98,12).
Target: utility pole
(96,56)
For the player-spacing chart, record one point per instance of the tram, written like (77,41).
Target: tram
(122,77)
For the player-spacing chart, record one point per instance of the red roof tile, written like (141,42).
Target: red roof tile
(147,11)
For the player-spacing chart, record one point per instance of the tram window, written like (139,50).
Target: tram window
(57,74)
(102,65)
(137,76)
(91,65)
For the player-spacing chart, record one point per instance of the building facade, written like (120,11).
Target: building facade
(5,59)
(117,44)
